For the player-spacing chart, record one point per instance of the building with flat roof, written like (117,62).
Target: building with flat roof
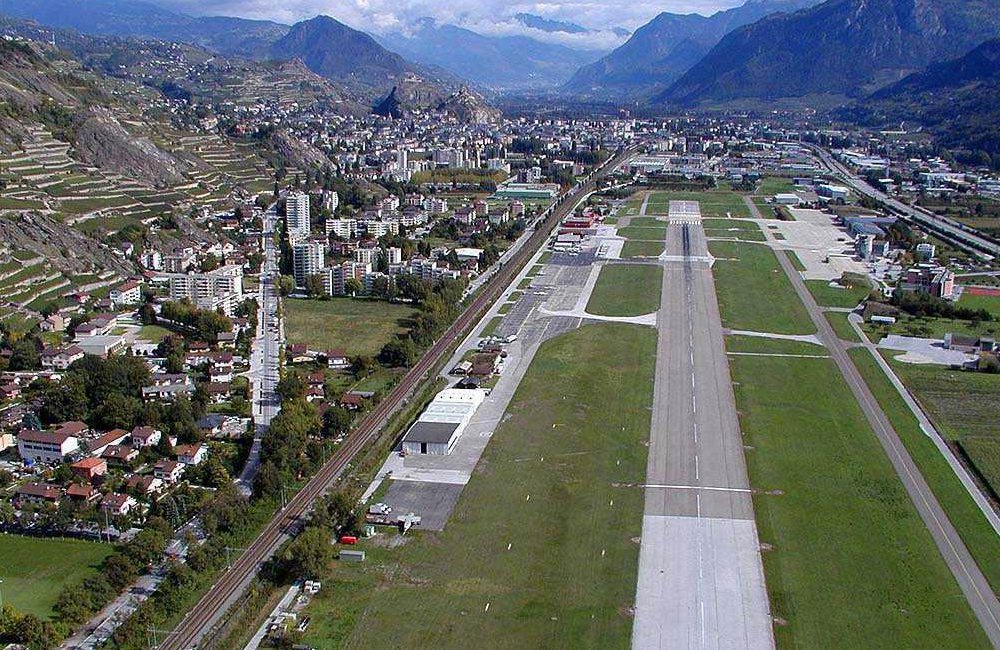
(297,215)
(441,424)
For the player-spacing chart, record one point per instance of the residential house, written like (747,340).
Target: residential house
(36,493)
(168,471)
(118,505)
(143,437)
(89,469)
(191,454)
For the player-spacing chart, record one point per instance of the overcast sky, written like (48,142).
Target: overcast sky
(485,16)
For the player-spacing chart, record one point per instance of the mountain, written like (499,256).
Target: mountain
(499,62)
(137,18)
(957,101)
(333,50)
(663,49)
(836,49)
(547,25)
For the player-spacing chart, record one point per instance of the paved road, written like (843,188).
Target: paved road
(972,241)
(971,580)
(701,579)
(264,357)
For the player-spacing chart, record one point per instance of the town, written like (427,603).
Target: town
(291,358)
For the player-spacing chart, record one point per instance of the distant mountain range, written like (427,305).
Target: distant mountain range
(663,49)
(838,49)
(958,101)
(499,62)
(136,18)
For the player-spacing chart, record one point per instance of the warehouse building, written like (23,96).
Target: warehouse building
(441,424)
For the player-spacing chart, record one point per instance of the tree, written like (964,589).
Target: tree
(286,284)
(336,421)
(363,365)
(119,572)
(353,286)
(147,314)
(267,482)
(314,286)
(290,387)
(24,356)
(309,554)
(398,353)
(64,401)
(117,412)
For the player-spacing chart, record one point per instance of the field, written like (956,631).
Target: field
(539,551)
(714,203)
(35,570)
(644,233)
(771,185)
(626,290)
(975,531)
(931,327)
(359,326)
(989,303)
(827,296)
(962,406)
(851,563)
(634,248)
(742,287)
(756,345)
(842,327)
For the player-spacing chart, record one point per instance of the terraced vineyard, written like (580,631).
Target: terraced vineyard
(43,176)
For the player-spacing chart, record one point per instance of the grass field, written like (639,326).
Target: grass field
(359,326)
(647,222)
(827,296)
(771,185)
(35,570)
(962,511)
(729,224)
(642,248)
(741,235)
(546,486)
(989,303)
(852,564)
(153,333)
(754,293)
(644,233)
(757,345)
(842,327)
(714,203)
(931,327)
(962,406)
(626,290)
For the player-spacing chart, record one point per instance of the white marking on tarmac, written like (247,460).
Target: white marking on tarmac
(707,488)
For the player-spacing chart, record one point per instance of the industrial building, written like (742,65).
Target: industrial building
(441,424)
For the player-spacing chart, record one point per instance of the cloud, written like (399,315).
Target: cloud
(493,17)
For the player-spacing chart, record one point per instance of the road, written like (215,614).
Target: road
(233,582)
(970,578)
(264,356)
(701,579)
(969,240)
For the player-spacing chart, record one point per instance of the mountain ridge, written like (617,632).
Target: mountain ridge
(665,47)
(855,47)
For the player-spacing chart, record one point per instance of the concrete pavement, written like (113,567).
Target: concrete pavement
(701,578)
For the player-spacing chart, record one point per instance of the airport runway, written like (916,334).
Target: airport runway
(701,579)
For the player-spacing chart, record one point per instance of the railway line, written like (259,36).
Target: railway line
(231,584)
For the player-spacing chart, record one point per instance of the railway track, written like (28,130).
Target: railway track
(231,584)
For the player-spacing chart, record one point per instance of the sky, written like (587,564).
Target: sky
(484,16)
